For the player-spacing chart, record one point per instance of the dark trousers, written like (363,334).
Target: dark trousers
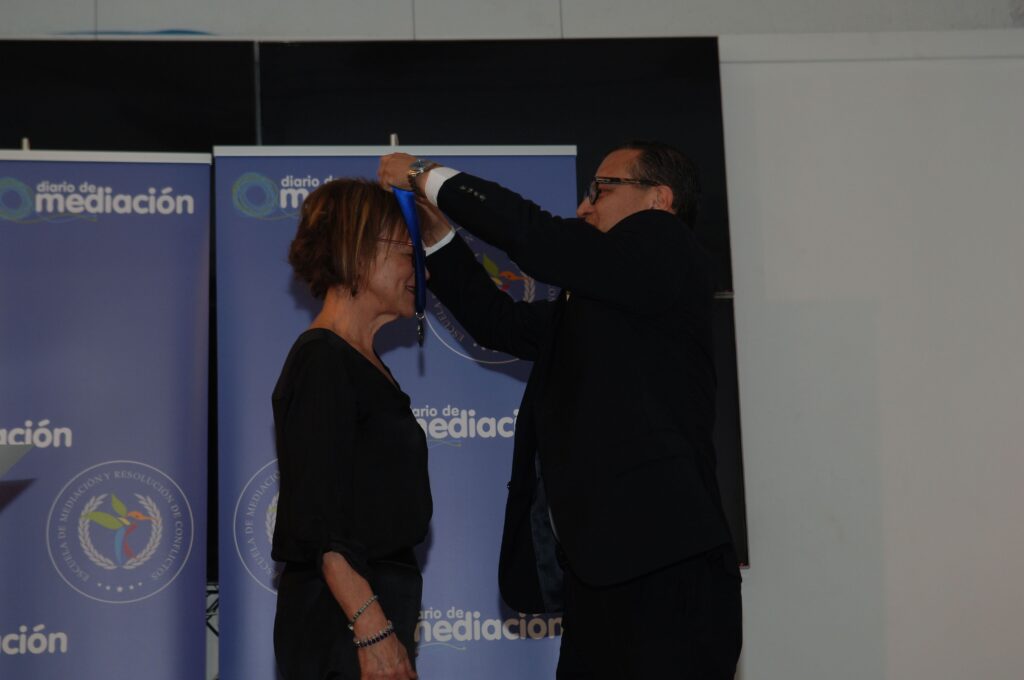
(683,621)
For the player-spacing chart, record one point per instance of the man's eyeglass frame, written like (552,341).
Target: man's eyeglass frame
(593,192)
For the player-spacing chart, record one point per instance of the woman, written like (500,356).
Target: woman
(355,497)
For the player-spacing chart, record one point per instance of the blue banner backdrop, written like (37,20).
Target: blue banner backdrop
(104,285)
(464,396)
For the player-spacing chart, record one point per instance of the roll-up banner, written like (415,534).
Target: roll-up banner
(464,396)
(104,318)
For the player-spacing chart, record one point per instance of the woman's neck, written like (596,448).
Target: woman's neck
(352,319)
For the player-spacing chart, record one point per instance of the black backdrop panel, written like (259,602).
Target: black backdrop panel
(189,96)
(590,93)
(127,96)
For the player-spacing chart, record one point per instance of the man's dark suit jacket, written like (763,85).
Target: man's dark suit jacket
(619,405)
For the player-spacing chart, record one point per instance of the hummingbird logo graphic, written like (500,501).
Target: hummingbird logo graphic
(120,531)
(502,278)
(123,524)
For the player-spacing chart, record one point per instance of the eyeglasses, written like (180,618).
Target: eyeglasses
(593,193)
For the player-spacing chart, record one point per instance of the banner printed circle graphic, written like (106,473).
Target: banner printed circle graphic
(253,525)
(120,531)
(507,277)
(254,195)
(15,199)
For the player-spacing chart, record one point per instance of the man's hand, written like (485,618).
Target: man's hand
(394,171)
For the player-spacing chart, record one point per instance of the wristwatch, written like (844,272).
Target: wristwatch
(417,168)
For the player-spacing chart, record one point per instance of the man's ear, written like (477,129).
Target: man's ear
(662,199)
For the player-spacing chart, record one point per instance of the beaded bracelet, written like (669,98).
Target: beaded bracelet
(383,634)
(359,612)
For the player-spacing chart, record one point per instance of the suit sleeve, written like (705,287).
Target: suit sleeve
(491,316)
(632,266)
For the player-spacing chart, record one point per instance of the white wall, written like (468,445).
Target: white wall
(876,198)
(464,19)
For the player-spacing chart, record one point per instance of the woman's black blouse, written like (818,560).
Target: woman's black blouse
(352,458)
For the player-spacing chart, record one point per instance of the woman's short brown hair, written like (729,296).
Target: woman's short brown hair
(339,231)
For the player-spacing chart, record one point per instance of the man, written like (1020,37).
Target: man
(613,467)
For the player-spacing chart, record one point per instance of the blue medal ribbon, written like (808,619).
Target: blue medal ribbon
(407,203)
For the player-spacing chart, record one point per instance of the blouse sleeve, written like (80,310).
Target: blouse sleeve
(315,418)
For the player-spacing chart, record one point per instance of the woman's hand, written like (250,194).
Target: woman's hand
(386,660)
(433,224)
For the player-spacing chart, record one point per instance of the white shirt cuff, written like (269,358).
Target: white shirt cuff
(440,244)
(435,178)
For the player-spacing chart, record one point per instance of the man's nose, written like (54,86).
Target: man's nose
(585,208)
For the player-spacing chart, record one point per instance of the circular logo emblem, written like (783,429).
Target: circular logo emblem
(120,531)
(509,279)
(15,199)
(254,521)
(254,195)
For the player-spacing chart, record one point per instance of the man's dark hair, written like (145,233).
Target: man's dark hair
(667,165)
